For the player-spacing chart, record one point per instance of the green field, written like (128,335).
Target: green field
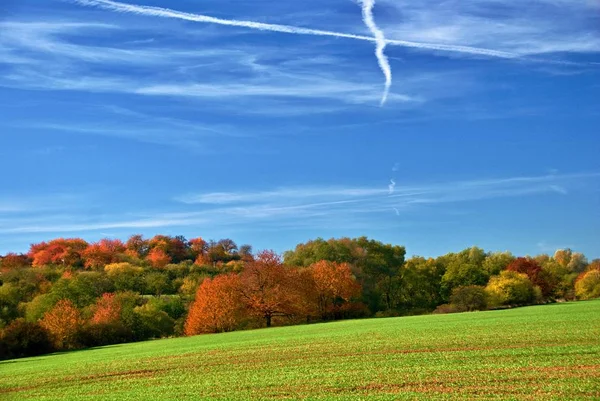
(547,352)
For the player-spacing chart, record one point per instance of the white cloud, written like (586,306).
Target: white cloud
(522,28)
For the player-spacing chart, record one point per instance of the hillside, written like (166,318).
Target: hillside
(540,352)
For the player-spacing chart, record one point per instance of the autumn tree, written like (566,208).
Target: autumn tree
(107,310)
(587,285)
(103,252)
(60,251)
(265,287)
(113,320)
(219,252)
(573,261)
(594,265)
(533,270)
(197,247)
(158,258)
(173,248)
(335,286)
(561,271)
(217,307)
(13,261)
(63,323)
(137,246)
(512,288)
(377,266)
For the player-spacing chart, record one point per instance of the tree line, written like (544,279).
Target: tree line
(69,294)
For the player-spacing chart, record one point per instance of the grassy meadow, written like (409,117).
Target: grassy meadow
(549,352)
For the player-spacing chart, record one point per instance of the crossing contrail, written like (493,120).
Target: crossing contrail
(167,13)
(367,11)
(384,64)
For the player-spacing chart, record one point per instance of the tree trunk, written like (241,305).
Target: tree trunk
(268,318)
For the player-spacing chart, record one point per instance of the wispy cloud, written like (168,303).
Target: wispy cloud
(524,28)
(287,207)
(280,194)
(377,198)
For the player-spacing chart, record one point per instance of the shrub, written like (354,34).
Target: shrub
(105,333)
(445,308)
(469,298)
(22,338)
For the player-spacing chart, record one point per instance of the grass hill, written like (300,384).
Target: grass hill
(549,352)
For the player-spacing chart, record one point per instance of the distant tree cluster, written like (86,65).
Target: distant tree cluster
(68,294)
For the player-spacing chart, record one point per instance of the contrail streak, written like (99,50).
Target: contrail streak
(392,187)
(384,64)
(167,13)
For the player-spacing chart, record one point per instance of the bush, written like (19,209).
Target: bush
(21,338)
(153,323)
(469,298)
(445,308)
(512,288)
(98,334)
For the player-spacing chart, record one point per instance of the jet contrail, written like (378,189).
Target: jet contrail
(167,13)
(384,64)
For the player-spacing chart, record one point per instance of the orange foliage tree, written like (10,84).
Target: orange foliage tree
(335,286)
(102,253)
(63,323)
(158,258)
(174,247)
(198,247)
(12,261)
(60,251)
(107,310)
(218,306)
(266,287)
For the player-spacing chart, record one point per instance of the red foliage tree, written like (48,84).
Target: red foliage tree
(158,258)
(218,306)
(63,323)
(533,271)
(103,252)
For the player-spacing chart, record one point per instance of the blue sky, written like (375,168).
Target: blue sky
(122,118)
